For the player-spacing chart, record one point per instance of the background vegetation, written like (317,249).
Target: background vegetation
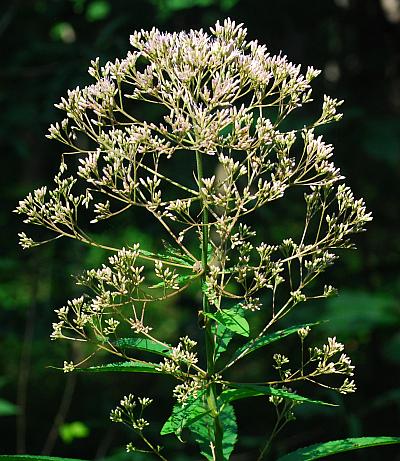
(46,46)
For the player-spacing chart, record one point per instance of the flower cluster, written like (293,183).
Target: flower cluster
(117,290)
(180,363)
(322,361)
(130,412)
(125,412)
(222,102)
(227,98)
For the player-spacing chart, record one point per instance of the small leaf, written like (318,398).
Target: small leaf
(255,344)
(203,432)
(143,344)
(34,458)
(231,319)
(97,10)
(7,408)
(74,430)
(175,254)
(243,391)
(209,252)
(130,367)
(63,32)
(320,450)
(181,280)
(182,259)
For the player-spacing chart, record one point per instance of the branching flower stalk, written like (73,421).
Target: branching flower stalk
(216,154)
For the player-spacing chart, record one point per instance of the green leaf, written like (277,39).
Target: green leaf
(143,344)
(382,313)
(34,458)
(203,432)
(98,10)
(223,337)
(169,257)
(183,416)
(243,391)
(255,344)
(175,254)
(175,5)
(63,32)
(209,252)
(320,450)
(74,430)
(181,279)
(130,367)
(228,4)
(7,408)
(231,319)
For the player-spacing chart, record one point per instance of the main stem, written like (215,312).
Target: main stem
(209,337)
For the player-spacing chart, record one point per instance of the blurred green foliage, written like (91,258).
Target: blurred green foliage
(46,46)
(6,408)
(74,430)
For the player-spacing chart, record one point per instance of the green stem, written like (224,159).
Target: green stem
(209,337)
(277,428)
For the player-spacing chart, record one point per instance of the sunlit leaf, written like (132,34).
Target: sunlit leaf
(168,257)
(231,319)
(130,367)
(184,415)
(320,450)
(174,254)
(143,344)
(203,432)
(269,338)
(243,391)
(74,430)
(223,337)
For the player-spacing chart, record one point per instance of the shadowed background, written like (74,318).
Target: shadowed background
(46,47)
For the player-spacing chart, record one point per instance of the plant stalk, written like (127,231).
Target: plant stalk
(209,337)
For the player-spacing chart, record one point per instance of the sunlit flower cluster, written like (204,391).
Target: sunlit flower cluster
(222,102)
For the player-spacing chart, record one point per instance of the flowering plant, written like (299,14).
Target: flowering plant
(224,103)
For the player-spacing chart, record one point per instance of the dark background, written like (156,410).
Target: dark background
(46,46)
